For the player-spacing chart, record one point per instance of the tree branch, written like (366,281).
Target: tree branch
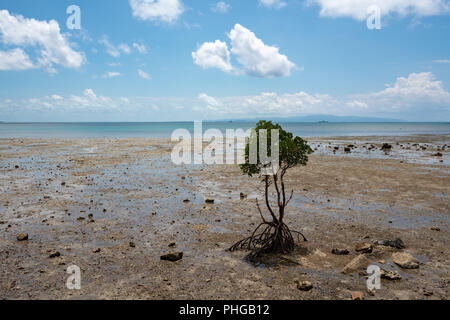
(260,212)
(266,179)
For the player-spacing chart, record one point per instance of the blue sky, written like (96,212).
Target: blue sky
(172,60)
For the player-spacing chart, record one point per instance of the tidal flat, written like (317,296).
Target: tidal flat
(113,207)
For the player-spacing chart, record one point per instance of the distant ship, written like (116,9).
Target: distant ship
(323,121)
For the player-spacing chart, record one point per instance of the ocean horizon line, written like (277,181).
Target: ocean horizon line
(221,121)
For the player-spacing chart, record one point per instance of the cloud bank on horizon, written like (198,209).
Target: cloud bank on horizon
(401,98)
(255,56)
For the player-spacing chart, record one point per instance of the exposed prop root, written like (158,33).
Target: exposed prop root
(268,237)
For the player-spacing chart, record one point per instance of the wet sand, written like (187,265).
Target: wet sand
(79,196)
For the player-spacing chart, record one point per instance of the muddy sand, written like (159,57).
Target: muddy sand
(114,206)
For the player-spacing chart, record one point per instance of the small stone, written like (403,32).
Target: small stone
(347,150)
(304,285)
(427,293)
(97,250)
(358,263)
(364,247)
(397,243)
(405,260)
(172,256)
(371,292)
(186,200)
(390,275)
(22,237)
(357,295)
(172,244)
(54,254)
(132,245)
(435,228)
(243,195)
(209,201)
(340,252)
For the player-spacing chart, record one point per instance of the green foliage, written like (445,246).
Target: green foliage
(293,150)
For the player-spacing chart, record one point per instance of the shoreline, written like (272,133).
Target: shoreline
(89,199)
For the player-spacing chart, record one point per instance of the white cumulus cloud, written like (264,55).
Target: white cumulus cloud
(277,4)
(144,75)
(125,48)
(141,48)
(257,59)
(112,74)
(357,9)
(415,90)
(208,99)
(157,10)
(213,55)
(16,30)
(221,7)
(15,59)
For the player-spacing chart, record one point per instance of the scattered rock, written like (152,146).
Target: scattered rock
(54,254)
(390,275)
(172,244)
(364,247)
(186,200)
(357,295)
(435,228)
(22,237)
(371,292)
(340,252)
(132,245)
(304,285)
(427,293)
(397,243)
(97,250)
(209,201)
(348,150)
(319,253)
(358,263)
(437,154)
(386,147)
(405,260)
(172,256)
(243,195)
